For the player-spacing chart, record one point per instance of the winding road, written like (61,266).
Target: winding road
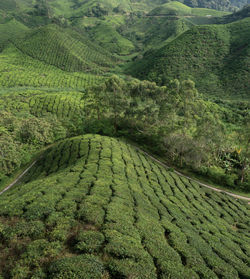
(154,159)
(200,183)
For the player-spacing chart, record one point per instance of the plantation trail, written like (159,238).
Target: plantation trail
(18,178)
(175,16)
(24,172)
(200,183)
(154,159)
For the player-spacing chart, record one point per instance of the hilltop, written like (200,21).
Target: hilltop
(88,207)
(216,57)
(176,8)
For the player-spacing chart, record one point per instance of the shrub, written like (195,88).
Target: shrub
(77,267)
(20,272)
(39,251)
(89,241)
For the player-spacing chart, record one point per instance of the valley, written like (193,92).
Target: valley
(124,139)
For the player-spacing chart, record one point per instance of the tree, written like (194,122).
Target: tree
(244,150)
(42,8)
(117,100)
(35,131)
(9,154)
(96,101)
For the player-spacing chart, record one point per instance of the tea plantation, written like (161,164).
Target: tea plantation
(90,203)
(19,70)
(96,207)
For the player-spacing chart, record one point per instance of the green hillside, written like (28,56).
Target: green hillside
(97,98)
(10,30)
(20,70)
(216,57)
(95,207)
(241,14)
(58,47)
(107,35)
(217,4)
(166,22)
(63,104)
(175,8)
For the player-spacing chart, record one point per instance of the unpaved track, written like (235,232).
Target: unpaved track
(202,184)
(18,178)
(154,159)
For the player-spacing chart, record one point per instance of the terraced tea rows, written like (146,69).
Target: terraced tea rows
(17,70)
(63,104)
(96,207)
(11,29)
(56,47)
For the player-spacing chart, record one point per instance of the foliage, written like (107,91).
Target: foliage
(93,206)
(55,46)
(21,135)
(105,196)
(207,55)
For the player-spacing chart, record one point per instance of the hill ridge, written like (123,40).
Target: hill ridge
(115,195)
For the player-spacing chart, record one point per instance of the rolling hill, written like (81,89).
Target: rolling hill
(216,57)
(12,29)
(95,207)
(20,70)
(68,51)
(176,8)
(91,204)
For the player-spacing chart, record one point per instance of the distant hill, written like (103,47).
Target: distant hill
(216,57)
(12,29)
(64,49)
(176,8)
(243,13)
(216,4)
(96,207)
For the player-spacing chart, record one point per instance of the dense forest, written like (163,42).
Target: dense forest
(115,117)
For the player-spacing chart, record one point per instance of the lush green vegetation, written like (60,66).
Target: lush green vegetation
(92,204)
(59,48)
(175,8)
(172,121)
(87,209)
(217,4)
(216,57)
(10,30)
(20,70)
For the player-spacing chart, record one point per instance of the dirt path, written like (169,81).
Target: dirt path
(18,178)
(154,159)
(200,183)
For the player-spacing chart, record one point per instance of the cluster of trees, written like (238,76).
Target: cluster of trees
(176,121)
(23,134)
(97,11)
(41,8)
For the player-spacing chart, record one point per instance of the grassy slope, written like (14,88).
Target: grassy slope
(103,200)
(162,25)
(207,54)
